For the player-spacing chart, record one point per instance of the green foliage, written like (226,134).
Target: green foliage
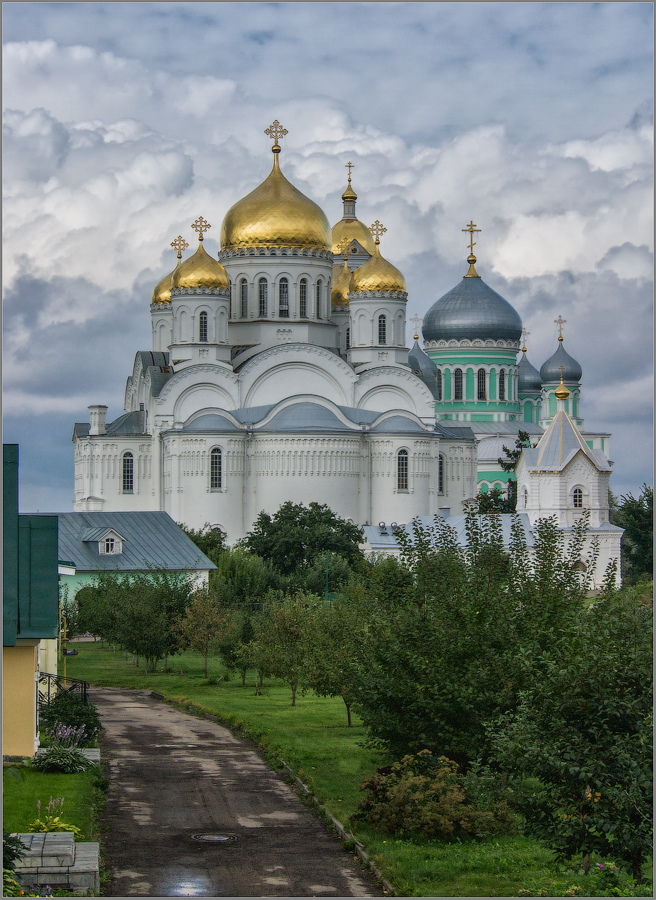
(636,516)
(242,577)
(70,709)
(594,760)
(202,623)
(66,760)
(296,535)
(209,541)
(282,639)
(494,501)
(12,849)
(51,819)
(425,795)
(511,457)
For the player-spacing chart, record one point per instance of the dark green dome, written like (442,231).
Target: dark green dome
(472,310)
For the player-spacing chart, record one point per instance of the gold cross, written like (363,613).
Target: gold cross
(377,229)
(471,228)
(342,247)
(525,334)
(276,131)
(416,321)
(560,322)
(179,244)
(349,166)
(201,225)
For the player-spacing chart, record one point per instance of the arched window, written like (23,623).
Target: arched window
(348,338)
(283,298)
(577,496)
(243,290)
(215,469)
(202,328)
(264,298)
(440,474)
(439,384)
(525,498)
(230,298)
(128,473)
(319,298)
(302,299)
(502,385)
(457,384)
(402,470)
(382,329)
(482,394)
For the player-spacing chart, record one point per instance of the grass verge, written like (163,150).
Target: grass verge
(314,740)
(20,797)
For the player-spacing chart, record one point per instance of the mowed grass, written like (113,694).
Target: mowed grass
(314,740)
(20,799)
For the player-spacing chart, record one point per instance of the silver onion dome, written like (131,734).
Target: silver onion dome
(529,381)
(472,310)
(424,367)
(550,371)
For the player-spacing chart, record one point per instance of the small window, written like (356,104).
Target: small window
(457,384)
(243,290)
(382,329)
(440,474)
(577,496)
(302,305)
(439,384)
(482,393)
(348,338)
(402,470)
(215,469)
(319,299)
(283,299)
(128,473)
(525,498)
(202,328)
(502,385)
(264,298)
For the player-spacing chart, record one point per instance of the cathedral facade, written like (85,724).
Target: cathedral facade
(280,371)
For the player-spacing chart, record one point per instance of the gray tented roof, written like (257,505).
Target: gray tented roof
(550,371)
(559,445)
(472,310)
(150,540)
(128,423)
(529,381)
(424,367)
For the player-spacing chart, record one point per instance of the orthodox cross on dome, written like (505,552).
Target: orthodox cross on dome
(377,229)
(349,166)
(343,247)
(201,225)
(471,228)
(416,321)
(179,244)
(560,322)
(525,334)
(275,131)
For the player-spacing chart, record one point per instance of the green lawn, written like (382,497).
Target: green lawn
(314,740)
(20,799)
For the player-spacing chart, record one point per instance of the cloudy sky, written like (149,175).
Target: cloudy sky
(125,121)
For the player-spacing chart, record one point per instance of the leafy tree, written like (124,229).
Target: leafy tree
(242,577)
(208,540)
(202,624)
(636,516)
(455,650)
(235,643)
(296,535)
(281,643)
(584,729)
(494,502)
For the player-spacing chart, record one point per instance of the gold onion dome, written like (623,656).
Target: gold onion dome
(561,391)
(162,291)
(341,279)
(352,230)
(200,270)
(275,214)
(377,274)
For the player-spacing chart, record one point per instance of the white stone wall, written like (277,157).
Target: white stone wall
(99,474)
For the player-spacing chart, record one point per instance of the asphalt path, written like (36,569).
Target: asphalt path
(175,777)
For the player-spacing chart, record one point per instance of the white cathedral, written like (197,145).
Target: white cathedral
(279,372)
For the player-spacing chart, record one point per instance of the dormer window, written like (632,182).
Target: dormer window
(110,545)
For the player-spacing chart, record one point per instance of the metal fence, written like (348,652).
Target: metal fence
(52,685)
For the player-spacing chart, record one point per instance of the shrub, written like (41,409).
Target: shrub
(68,709)
(51,820)
(12,849)
(64,760)
(424,795)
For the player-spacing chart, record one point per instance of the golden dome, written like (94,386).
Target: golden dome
(561,391)
(352,230)
(162,292)
(377,274)
(341,279)
(275,214)
(200,270)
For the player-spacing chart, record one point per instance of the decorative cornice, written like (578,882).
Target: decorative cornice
(241,252)
(466,343)
(377,295)
(222,293)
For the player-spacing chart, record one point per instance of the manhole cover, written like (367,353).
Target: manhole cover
(214,838)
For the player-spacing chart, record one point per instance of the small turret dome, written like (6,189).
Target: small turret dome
(341,279)
(424,367)
(200,271)
(550,372)
(377,274)
(528,381)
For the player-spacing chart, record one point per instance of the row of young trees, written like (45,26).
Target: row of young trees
(484,654)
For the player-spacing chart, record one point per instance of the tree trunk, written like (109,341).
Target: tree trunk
(293,687)
(166,661)
(243,677)
(586,862)
(206,655)
(146,663)
(348,712)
